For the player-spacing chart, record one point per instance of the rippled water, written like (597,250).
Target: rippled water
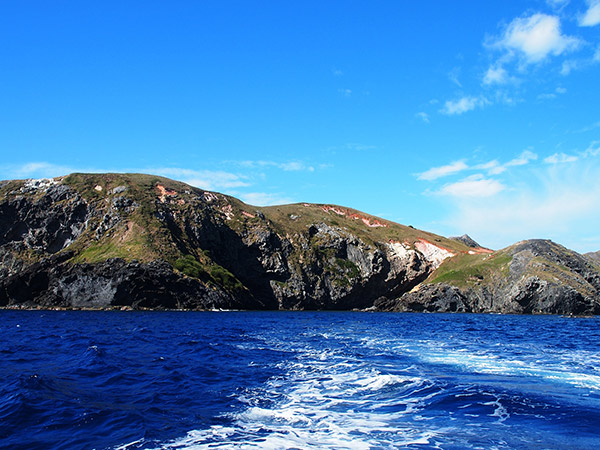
(298,380)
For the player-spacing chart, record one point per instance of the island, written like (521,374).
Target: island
(138,241)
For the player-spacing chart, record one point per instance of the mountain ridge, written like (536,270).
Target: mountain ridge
(144,241)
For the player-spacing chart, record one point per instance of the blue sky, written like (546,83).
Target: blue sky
(454,117)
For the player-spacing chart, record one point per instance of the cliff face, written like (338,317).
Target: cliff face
(141,241)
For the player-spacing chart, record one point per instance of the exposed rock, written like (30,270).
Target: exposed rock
(54,282)
(593,256)
(467,240)
(434,298)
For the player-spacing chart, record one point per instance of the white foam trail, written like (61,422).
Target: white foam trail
(325,400)
(134,444)
(554,369)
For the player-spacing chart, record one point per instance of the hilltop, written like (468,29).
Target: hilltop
(143,241)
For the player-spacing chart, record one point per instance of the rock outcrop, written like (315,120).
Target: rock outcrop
(467,240)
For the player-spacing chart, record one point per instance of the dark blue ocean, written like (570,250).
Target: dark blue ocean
(297,380)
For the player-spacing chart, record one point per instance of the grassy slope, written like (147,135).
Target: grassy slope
(141,236)
(307,214)
(472,270)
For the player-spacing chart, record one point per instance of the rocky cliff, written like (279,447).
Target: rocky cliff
(141,241)
(535,276)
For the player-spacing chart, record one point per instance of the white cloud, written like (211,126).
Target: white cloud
(453,76)
(560,158)
(438,172)
(354,146)
(473,186)
(591,127)
(522,159)
(569,66)
(423,116)
(264,199)
(359,147)
(492,167)
(345,92)
(592,150)
(290,166)
(495,75)
(295,166)
(592,16)
(546,96)
(41,169)
(559,203)
(203,179)
(463,105)
(552,95)
(536,37)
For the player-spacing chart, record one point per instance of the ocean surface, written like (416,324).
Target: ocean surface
(297,380)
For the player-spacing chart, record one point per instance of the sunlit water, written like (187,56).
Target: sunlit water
(297,380)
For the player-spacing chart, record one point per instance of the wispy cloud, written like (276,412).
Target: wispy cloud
(288,166)
(534,38)
(204,179)
(423,116)
(473,186)
(495,74)
(593,150)
(442,171)
(524,158)
(571,65)
(359,147)
(560,158)
(264,199)
(557,4)
(463,105)
(492,167)
(552,95)
(592,16)
(590,127)
(453,76)
(40,169)
(352,146)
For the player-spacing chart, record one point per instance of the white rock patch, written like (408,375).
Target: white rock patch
(432,253)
